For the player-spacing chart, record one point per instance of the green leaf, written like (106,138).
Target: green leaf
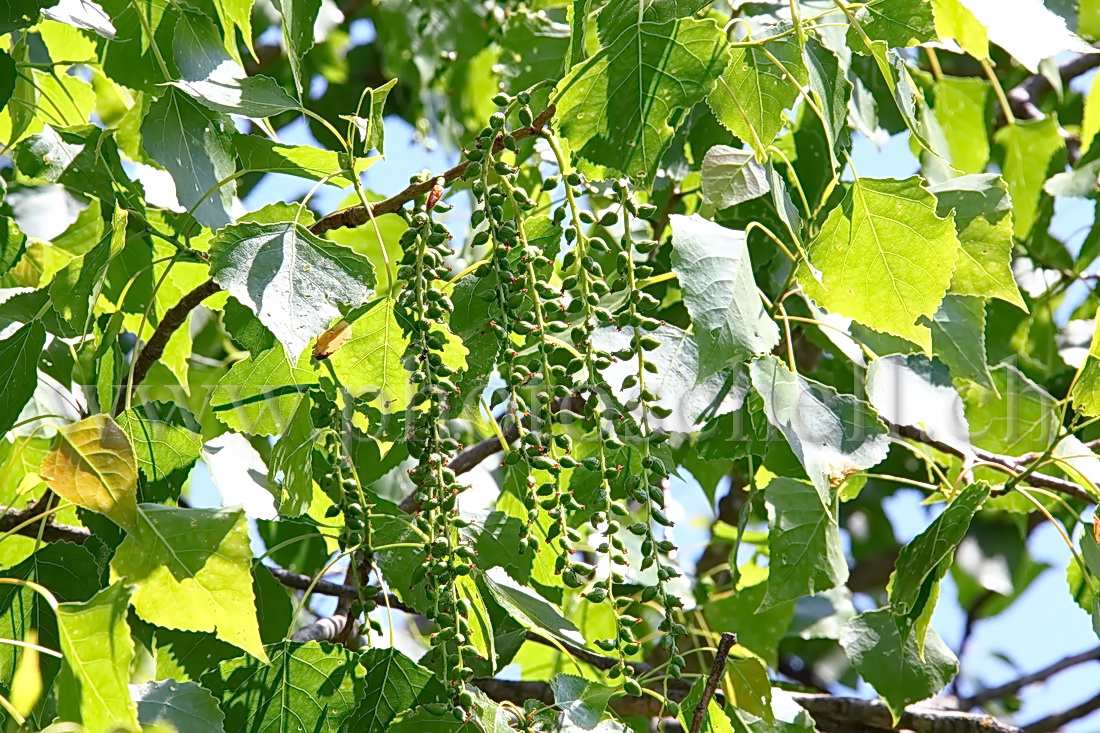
(914,390)
(1028,153)
(372,360)
(304,161)
(616,107)
(831,89)
(94,685)
(582,702)
(883,648)
(758,631)
(897,22)
(751,686)
(760,82)
(731,176)
(45,155)
(294,281)
(983,222)
(311,686)
(132,58)
(715,719)
(7,78)
(76,288)
(936,544)
(192,571)
(833,435)
(532,46)
(1085,393)
(395,683)
(372,128)
(958,337)
(714,269)
(961,109)
(298,19)
(954,20)
(259,395)
(19,355)
(195,145)
(212,77)
(885,258)
(24,14)
(293,456)
(92,465)
(533,613)
(676,383)
(1017,416)
(71,574)
(13,243)
(182,705)
(803,543)
(165,438)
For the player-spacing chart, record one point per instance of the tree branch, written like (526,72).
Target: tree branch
(28,522)
(359,215)
(1010,688)
(716,671)
(1008,464)
(839,713)
(1056,721)
(154,348)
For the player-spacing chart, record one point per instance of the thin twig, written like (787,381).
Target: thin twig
(358,215)
(1011,688)
(1009,464)
(716,671)
(1056,721)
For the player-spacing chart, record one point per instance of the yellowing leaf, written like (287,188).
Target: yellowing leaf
(93,466)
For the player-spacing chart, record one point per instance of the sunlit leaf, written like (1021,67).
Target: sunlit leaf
(833,435)
(293,280)
(615,108)
(95,639)
(312,686)
(183,705)
(93,466)
(885,257)
(715,271)
(191,569)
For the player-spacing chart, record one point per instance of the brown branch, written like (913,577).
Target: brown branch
(51,532)
(359,215)
(840,713)
(1023,98)
(1008,464)
(1056,721)
(1011,688)
(716,671)
(351,217)
(154,348)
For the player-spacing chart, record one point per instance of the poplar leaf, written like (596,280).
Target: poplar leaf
(615,108)
(294,281)
(192,570)
(715,271)
(760,82)
(885,257)
(93,466)
(833,435)
(95,641)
